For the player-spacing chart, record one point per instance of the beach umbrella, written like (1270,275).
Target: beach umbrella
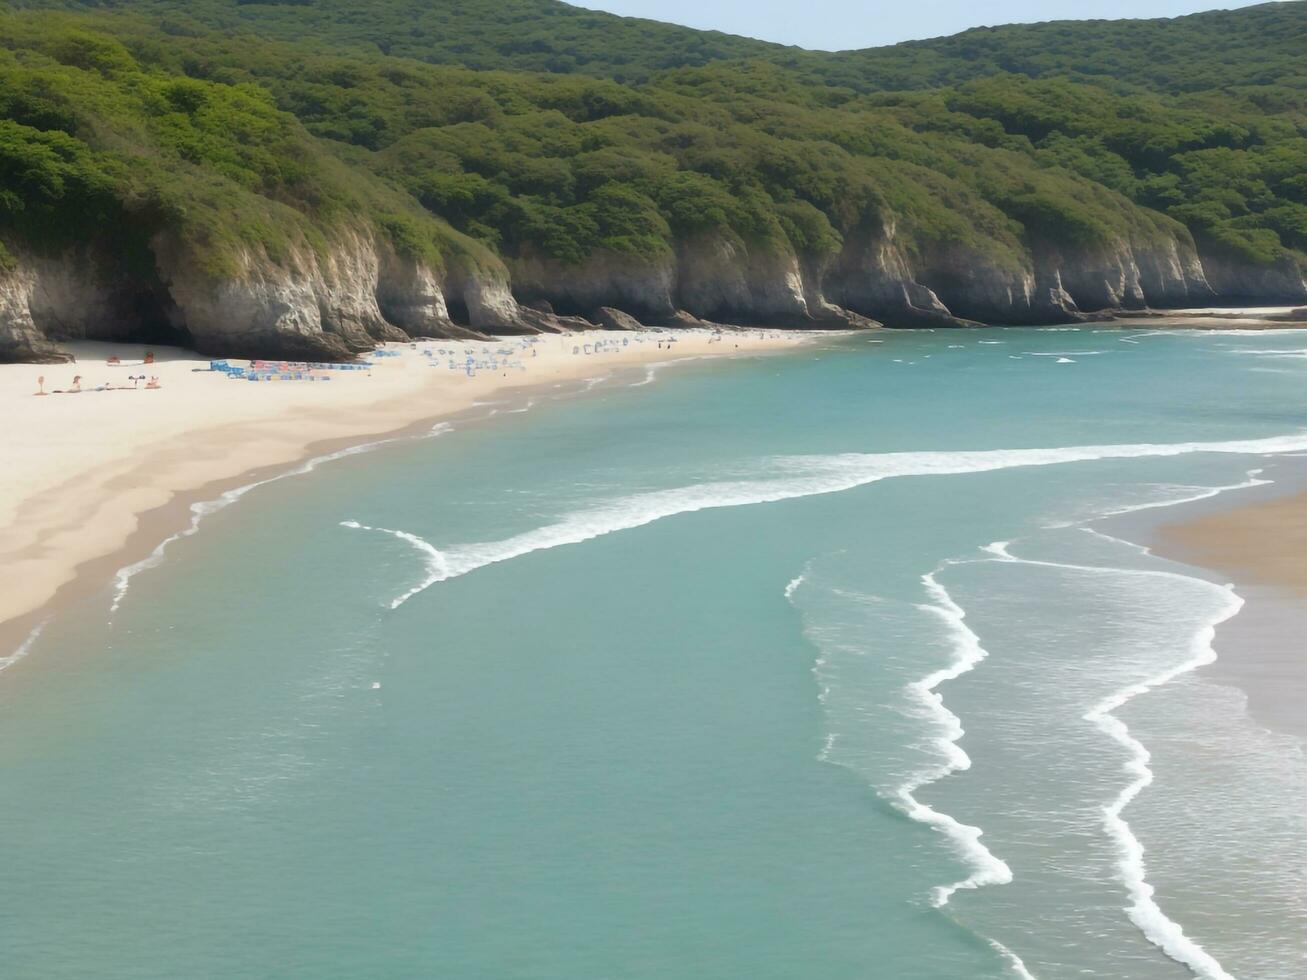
(40,385)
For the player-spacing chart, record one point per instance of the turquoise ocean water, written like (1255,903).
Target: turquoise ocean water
(819,665)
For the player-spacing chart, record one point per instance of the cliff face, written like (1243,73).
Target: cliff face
(875,276)
(643,287)
(340,301)
(333,304)
(20,337)
(710,277)
(75,296)
(317,305)
(1054,284)
(1282,282)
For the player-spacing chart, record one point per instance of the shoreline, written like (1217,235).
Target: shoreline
(1256,541)
(135,518)
(65,531)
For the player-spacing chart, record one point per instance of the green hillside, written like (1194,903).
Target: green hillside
(542,131)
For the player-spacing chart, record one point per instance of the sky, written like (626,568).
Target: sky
(838,24)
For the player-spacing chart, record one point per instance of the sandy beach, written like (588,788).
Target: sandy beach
(82,469)
(1264,543)
(1260,546)
(1250,318)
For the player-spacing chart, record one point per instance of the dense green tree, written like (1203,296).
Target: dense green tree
(542,129)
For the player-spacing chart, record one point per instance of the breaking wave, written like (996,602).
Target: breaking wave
(967,654)
(790,477)
(25,647)
(205,508)
(1144,911)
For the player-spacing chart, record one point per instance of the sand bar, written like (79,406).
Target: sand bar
(80,469)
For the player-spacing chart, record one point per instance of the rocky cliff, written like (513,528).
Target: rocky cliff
(875,276)
(317,304)
(339,301)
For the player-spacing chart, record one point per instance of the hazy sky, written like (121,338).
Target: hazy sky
(835,24)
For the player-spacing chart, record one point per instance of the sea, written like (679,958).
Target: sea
(827,664)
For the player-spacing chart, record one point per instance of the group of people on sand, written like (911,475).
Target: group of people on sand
(466,361)
(151,382)
(460,358)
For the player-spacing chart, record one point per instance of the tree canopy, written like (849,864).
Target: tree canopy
(532,128)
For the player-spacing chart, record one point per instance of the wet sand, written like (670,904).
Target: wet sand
(1257,541)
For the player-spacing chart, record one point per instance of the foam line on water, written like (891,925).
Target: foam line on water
(1065,353)
(791,477)
(794,584)
(968,653)
(205,508)
(437,562)
(1164,932)
(1287,352)
(655,368)
(1253,478)
(1014,962)
(25,647)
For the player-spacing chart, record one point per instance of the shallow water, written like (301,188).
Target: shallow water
(818,665)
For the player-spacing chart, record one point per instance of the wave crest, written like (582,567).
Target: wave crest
(790,477)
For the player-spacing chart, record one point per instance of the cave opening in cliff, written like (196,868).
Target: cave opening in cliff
(140,306)
(565,306)
(153,318)
(458,311)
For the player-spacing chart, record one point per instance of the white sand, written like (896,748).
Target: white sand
(80,469)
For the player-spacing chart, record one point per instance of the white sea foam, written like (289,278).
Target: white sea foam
(1296,351)
(924,702)
(204,508)
(437,562)
(1144,912)
(828,746)
(793,585)
(1066,353)
(1191,494)
(1019,969)
(1274,353)
(1194,494)
(967,654)
(25,647)
(790,477)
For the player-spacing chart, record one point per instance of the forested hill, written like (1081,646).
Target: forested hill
(318,174)
(1253,45)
